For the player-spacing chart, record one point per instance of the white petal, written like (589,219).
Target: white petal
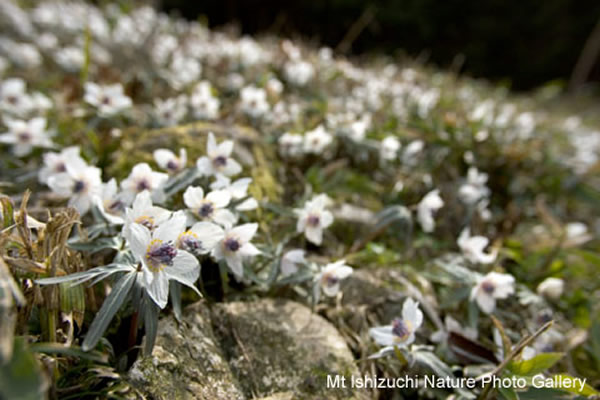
(170,230)
(244,232)
(220,198)
(234,262)
(314,234)
(158,290)
(139,238)
(224,218)
(193,197)
(249,250)
(208,234)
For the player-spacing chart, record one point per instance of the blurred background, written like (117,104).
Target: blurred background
(522,44)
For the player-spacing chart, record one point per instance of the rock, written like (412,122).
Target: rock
(187,362)
(279,346)
(275,349)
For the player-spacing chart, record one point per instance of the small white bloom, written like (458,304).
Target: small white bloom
(168,161)
(80,183)
(110,204)
(473,248)
(238,191)
(25,135)
(551,287)
(218,160)
(162,261)
(401,332)
(209,208)
(290,261)
(299,72)
(328,280)
(411,152)
(317,140)
(291,144)
(426,207)
(141,178)
(203,103)
(474,189)
(108,99)
(313,218)
(254,101)
(235,246)
(143,212)
(183,70)
(389,148)
(491,287)
(56,163)
(170,111)
(201,238)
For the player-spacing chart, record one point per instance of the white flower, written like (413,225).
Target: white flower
(209,208)
(182,71)
(299,72)
(70,58)
(168,161)
(328,280)
(412,150)
(235,246)
(56,163)
(238,191)
(13,95)
(218,160)
(162,261)
(474,189)
(317,140)
(201,238)
(108,99)
(551,287)
(290,260)
(389,148)
(313,218)
(358,129)
(203,103)
(143,212)
(473,248)
(274,86)
(141,178)
(170,111)
(80,183)
(577,233)
(25,135)
(254,101)
(110,204)
(426,207)
(401,332)
(291,144)
(491,287)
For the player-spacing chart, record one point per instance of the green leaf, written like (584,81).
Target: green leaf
(175,294)
(72,351)
(96,245)
(508,393)
(77,278)
(21,377)
(587,389)
(535,365)
(109,308)
(151,313)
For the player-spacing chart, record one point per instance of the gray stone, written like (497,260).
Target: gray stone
(274,349)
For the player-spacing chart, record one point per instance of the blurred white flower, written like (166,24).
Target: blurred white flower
(218,159)
(474,189)
(389,147)
(317,140)
(401,332)
(452,325)
(299,72)
(427,207)
(491,287)
(313,218)
(203,103)
(473,248)
(170,111)
(412,151)
(253,101)
(56,163)
(25,135)
(328,279)
(238,190)
(170,162)
(141,178)
(80,183)
(291,144)
(70,58)
(110,204)
(290,260)
(551,287)
(209,208)
(235,247)
(108,99)
(161,260)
